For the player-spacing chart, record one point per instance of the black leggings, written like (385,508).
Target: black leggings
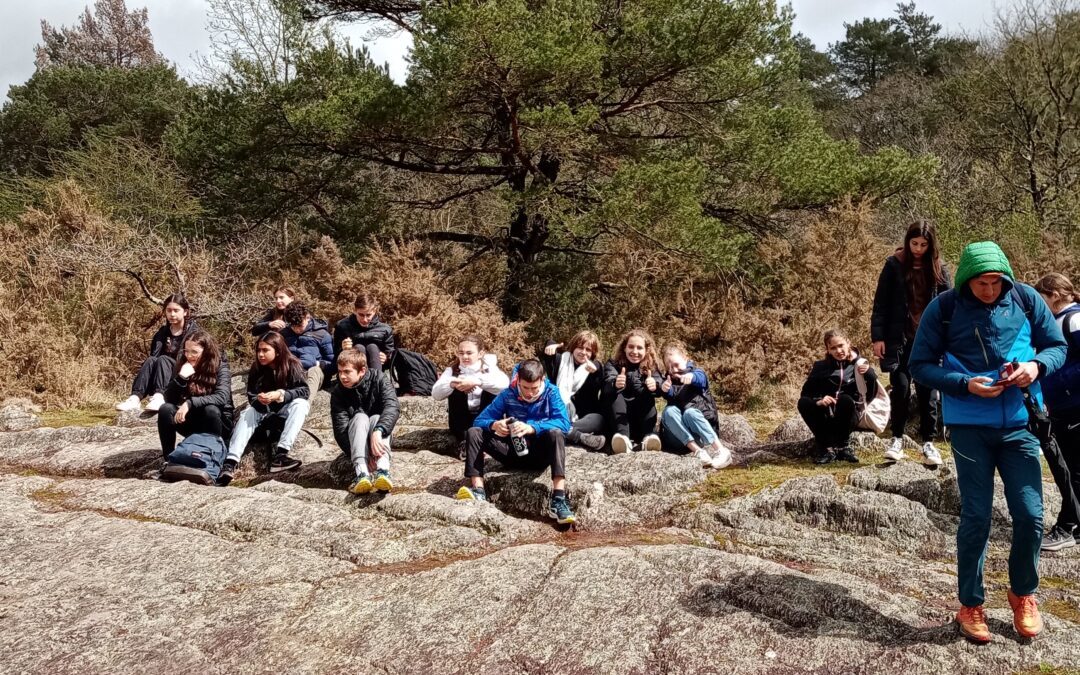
(545,449)
(635,417)
(1066,467)
(900,396)
(461,421)
(205,420)
(154,376)
(831,425)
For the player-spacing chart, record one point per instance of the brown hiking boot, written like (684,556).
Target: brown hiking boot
(1026,617)
(972,622)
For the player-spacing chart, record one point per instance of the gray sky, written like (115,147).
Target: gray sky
(179,28)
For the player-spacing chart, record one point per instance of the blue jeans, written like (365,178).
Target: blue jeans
(679,427)
(296,412)
(1015,455)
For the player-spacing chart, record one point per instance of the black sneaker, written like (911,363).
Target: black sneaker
(847,454)
(591,442)
(1058,538)
(826,456)
(560,511)
(228,470)
(282,462)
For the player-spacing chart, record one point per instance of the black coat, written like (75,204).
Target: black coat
(164,343)
(889,319)
(587,399)
(825,380)
(262,326)
(262,380)
(375,333)
(635,382)
(372,395)
(177,392)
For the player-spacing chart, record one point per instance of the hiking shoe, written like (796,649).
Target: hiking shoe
(474,494)
(591,442)
(651,443)
(705,458)
(155,403)
(362,485)
(847,454)
(1026,617)
(560,511)
(130,403)
(826,456)
(620,444)
(282,462)
(228,470)
(931,455)
(722,458)
(382,481)
(1058,538)
(972,622)
(895,451)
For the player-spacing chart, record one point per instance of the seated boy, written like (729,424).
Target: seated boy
(540,420)
(364,410)
(310,343)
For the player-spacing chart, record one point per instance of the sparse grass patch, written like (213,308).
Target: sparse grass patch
(50,495)
(1058,583)
(1047,669)
(735,482)
(1062,609)
(78,417)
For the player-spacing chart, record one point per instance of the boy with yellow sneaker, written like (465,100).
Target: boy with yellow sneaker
(981,344)
(364,410)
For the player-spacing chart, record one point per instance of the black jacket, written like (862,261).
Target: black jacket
(888,321)
(635,382)
(587,399)
(372,395)
(376,333)
(827,374)
(165,344)
(262,326)
(177,391)
(261,380)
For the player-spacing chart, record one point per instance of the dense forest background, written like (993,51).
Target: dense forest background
(690,166)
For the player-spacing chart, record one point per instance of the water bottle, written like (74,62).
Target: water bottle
(517,442)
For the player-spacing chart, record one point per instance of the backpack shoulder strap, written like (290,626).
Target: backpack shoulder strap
(947,305)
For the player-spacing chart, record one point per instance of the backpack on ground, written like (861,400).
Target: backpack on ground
(414,373)
(197,459)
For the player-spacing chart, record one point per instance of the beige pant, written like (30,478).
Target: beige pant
(314,379)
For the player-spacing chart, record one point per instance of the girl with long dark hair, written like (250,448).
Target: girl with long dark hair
(912,277)
(198,399)
(165,348)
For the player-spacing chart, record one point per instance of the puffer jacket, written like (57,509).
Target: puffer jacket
(545,413)
(829,377)
(372,395)
(977,341)
(375,333)
(312,347)
(1061,389)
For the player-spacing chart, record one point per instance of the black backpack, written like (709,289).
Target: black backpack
(413,372)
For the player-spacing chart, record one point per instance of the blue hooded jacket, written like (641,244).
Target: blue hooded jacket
(547,412)
(978,341)
(313,346)
(1061,389)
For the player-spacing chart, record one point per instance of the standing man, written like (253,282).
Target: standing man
(979,345)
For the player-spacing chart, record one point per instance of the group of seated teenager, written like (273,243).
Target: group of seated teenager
(523,419)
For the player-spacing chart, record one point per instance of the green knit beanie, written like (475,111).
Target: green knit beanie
(980,258)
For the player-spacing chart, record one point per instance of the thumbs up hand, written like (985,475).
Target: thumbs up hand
(687,378)
(666,386)
(590,366)
(550,349)
(650,383)
(620,380)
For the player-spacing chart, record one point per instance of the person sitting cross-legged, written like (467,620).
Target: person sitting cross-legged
(523,427)
(364,410)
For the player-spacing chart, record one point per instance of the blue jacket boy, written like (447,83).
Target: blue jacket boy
(546,412)
(313,346)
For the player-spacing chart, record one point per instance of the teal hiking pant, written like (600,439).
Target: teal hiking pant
(1014,453)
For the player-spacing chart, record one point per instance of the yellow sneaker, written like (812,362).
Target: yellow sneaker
(972,622)
(468,493)
(361,486)
(382,481)
(1026,617)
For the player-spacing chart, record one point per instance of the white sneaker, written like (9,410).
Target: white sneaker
(155,403)
(651,443)
(896,450)
(706,459)
(129,403)
(931,455)
(620,444)
(722,458)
